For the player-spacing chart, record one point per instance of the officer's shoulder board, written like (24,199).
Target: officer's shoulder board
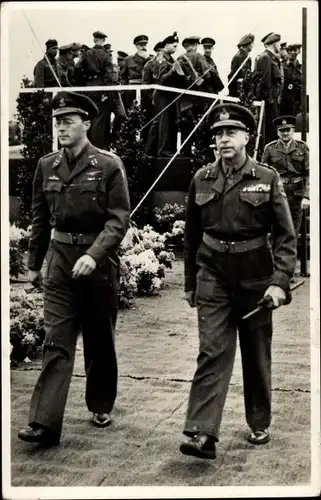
(302,143)
(271,144)
(266,165)
(53,153)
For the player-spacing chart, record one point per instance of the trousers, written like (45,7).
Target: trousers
(70,305)
(229,286)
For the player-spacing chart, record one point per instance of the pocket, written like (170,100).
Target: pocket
(203,198)
(52,190)
(255,199)
(94,193)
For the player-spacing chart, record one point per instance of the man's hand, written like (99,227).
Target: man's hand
(277,294)
(190,297)
(305,203)
(35,277)
(84,266)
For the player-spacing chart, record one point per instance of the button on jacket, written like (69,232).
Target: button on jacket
(249,206)
(92,198)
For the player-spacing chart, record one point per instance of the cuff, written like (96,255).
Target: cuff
(281,279)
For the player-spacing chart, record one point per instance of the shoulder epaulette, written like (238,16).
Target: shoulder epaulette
(51,154)
(266,165)
(272,142)
(106,153)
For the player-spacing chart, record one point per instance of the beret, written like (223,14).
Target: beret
(208,41)
(231,115)
(271,38)
(294,46)
(284,121)
(171,38)
(70,102)
(158,46)
(51,43)
(246,40)
(99,34)
(140,39)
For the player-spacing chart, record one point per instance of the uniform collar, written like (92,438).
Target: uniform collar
(249,169)
(281,146)
(274,56)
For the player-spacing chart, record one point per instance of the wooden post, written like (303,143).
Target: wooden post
(54,131)
(303,231)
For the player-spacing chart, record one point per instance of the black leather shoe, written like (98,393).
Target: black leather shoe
(259,437)
(40,436)
(101,419)
(200,446)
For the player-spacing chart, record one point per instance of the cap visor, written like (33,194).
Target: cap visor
(70,111)
(229,123)
(280,127)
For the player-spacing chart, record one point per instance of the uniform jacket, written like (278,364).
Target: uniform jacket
(292,87)
(195,65)
(43,76)
(291,163)
(268,72)
(215,84)
(151,70)
(236,62)
(92,198)
(253,204)
(95,66)
(66,72)
(132,68)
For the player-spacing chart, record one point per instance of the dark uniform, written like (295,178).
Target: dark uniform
(229,263)
(268,76)
(236,85)
(150,77)
(66,66)
(132,72)
(43,75)
(292,163)
(86,203)
(291,95)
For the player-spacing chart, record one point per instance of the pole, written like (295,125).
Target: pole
(259,130)
(303,231)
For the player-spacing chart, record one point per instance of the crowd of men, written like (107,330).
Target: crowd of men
(275,76)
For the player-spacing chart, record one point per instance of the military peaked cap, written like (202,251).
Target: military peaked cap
(294,46)
(107,46)
(66,48)
(284,121)
(122,54)
(246,40)
(140,39)
(171,39)
(231,115)
(190,40)
(70,102)
(159,46)
(51,43)
(99,34)
(271,38)
(208,41)
(77,46)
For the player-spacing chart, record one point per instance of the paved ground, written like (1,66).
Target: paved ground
(157,348)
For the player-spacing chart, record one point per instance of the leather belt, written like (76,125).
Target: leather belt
(291,180)
(133,80)
(74,238)
(234,246)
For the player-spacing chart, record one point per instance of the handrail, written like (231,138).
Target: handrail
(142,86)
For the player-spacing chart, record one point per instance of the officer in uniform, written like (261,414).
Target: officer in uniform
(81,201)
(150,77)
(290,158)
(291,96)
(215,85)
(268,76)
(43,75)
(233,204)
(66,65)
(245,46)
(170,74)
(132,71)
(121,56)
(96,65)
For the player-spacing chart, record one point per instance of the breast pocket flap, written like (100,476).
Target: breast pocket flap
(52,186)
(255,199)
(203,198)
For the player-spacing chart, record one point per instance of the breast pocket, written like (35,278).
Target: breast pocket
(93,195)
(52,190)
(254,209)
(209,207)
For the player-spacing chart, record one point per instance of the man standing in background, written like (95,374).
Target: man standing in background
(245,46)
(291,96)
(268,77)
(43,75)
(215,85)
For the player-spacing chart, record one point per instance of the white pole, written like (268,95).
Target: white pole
(259,128)
(179,141)
(138,96)
(54,131)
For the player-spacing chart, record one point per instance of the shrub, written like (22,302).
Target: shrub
(167,215)
(26,324)
(18,245)
(175,238)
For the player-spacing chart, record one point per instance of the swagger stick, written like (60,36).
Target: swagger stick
(186,140)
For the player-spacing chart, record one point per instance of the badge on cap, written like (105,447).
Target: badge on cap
(283,122)
(62,102)
(224,115)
